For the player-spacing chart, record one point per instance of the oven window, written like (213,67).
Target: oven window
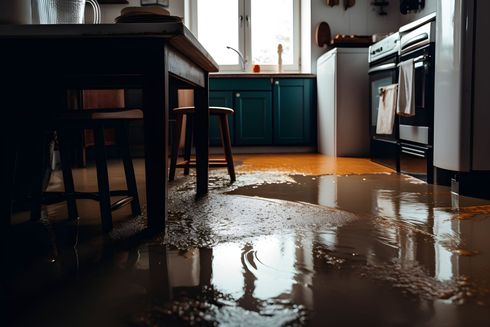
(375,85)
(420,87)
(423,99)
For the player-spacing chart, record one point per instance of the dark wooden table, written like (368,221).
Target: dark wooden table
(40,63)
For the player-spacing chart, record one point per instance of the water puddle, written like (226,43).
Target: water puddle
(276,250)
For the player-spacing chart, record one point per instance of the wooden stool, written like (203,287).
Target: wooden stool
(222,114)
(96,121)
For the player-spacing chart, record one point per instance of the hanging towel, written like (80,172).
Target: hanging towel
(406,89)
(386,109)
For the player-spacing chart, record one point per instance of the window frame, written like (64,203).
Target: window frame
(245,37)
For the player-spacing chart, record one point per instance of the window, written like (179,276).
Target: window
(253,27)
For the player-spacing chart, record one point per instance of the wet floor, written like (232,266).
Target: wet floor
(270,250)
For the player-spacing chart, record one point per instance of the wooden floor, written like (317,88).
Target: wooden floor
(307,164)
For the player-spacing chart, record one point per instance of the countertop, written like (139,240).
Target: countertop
(261,75)
(177,34)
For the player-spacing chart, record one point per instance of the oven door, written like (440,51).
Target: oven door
(380,76)
(419,128)
(384,148)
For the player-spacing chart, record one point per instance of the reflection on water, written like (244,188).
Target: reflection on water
(227,262)
(380,250)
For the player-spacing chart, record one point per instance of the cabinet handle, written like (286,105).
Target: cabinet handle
(237,95)
(277,83)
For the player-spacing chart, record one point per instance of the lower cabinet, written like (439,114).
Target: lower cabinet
(253,118)
(294,113)
(279,111)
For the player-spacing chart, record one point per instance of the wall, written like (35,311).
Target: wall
(430,7)
(109,12)
(362,19)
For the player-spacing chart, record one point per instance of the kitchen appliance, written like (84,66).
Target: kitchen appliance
(461,128)
(383,71)
(64,11)
(417,43)
(342,102)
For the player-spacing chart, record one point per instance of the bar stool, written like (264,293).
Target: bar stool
(222,114)
(97,121)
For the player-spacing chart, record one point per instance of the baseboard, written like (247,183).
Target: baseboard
(266,149)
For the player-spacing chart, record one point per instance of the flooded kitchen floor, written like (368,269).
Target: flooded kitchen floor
(294,246)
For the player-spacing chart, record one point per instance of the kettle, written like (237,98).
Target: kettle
(63,11)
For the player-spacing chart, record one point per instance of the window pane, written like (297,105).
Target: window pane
(272,24)
(217,27)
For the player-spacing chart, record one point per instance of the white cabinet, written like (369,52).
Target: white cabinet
(343,102)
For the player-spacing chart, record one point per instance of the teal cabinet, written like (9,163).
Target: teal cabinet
(253,118)
(252,101)
(268,111)
(220,99)
(294,113)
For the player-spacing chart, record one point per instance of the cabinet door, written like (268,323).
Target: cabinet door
(253,118)
(294,114)
(220,99)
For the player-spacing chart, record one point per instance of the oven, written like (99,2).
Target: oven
(416,132)
(383,71)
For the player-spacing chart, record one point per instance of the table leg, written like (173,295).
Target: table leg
(155,109)
(7,173)
(201,132)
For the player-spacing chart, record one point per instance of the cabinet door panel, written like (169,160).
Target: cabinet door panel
(220,99)
(253,118)
(293,114)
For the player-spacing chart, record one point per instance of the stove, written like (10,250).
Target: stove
(389,46)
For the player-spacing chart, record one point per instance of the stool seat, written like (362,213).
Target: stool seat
(221,113)
(212,110)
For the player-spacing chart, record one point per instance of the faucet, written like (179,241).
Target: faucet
(242,59)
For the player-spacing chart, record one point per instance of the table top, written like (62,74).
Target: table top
(176,33)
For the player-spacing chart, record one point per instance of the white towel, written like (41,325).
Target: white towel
(386,109)
(406,89)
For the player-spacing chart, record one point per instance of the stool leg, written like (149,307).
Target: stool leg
(37,191)
(175,147)
(225,138)
(102,178)
(123,142)
(65,158)
(189,135)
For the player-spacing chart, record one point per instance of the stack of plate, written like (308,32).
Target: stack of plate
(146,14)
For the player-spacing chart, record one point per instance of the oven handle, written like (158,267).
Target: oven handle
(414,40)
(413,152)
(382,68)
(418,61)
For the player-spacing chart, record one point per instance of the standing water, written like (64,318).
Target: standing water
(272,250)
